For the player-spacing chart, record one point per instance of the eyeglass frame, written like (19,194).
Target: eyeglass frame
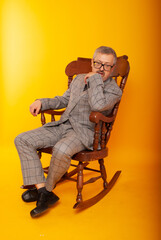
(102,64)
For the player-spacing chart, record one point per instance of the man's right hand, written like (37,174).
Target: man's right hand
(35,107)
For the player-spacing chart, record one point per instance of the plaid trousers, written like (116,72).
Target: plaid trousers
(65,144)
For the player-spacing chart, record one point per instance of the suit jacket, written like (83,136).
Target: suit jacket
(99,96)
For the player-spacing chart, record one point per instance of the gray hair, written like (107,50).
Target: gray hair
(106,50)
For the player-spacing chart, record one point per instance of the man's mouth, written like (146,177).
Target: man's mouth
(101,73)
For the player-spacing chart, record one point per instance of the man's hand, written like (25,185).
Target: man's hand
(35,107)
(87,76)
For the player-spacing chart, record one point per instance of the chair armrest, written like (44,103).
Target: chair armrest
(50,112)
(96,117)
(53,112)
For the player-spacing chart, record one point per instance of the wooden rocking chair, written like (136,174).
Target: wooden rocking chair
(121,71)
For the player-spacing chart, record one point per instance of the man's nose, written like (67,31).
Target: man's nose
(102,67)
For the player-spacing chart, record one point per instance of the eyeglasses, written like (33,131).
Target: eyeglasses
(98,65)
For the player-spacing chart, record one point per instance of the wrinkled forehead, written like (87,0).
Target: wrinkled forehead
(104,58)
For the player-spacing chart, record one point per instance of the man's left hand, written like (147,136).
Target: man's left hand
(87,76)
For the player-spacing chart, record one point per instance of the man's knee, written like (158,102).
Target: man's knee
(61,152)
(61,149)
(20,139)
(17,139)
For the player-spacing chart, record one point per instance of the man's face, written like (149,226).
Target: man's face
(107,60)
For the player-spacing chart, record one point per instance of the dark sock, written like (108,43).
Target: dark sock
(43,189)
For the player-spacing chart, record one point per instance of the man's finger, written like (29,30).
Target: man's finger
(85,79)
(37,111)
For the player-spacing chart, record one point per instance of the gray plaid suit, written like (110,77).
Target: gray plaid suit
(71,134)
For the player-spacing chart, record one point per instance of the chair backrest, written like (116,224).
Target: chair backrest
(119,73)
(81,65)
(120,70)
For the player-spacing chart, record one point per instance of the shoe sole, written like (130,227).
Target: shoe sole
(34,215)
(50,204)
(28,201)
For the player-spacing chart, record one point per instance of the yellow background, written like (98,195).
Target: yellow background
(38,39)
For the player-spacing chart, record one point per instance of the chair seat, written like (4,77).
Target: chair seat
(88,155)
(45,150)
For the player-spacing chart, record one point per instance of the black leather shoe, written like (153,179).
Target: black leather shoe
(45,201)
(31,195)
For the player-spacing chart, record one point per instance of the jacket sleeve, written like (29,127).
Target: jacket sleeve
(102,97)
(57,102)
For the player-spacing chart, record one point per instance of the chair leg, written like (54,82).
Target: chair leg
(80,182)
(103,173)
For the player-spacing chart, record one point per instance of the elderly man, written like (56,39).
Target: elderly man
(94,91)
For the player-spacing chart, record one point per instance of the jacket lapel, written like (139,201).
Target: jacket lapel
(75,99)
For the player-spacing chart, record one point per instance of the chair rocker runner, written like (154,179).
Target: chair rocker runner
(103,127)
